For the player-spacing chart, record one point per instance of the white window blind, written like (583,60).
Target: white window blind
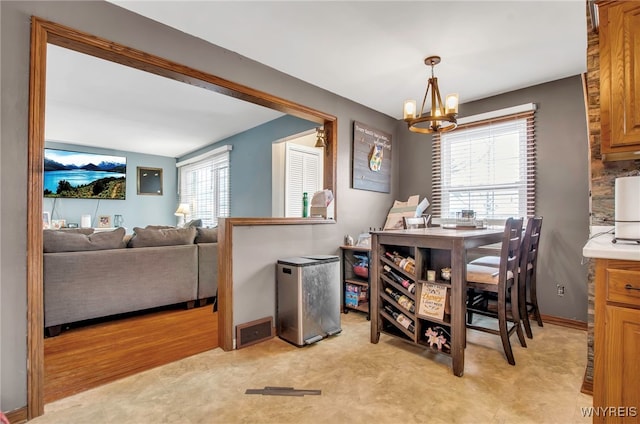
(205,186)
(302,175)
(487,166)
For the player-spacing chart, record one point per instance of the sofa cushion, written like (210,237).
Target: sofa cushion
(159,227)
(207,235)
(68,241)
(85,231)
(149,237)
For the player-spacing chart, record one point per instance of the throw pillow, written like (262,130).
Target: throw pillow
(207,235)
(149,237)
(193,223)
(67,241)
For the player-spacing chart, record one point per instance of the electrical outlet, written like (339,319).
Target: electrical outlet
(560,289)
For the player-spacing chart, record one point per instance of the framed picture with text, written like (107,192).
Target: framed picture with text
(371,168)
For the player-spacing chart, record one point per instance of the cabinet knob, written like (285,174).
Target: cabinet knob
(630,287)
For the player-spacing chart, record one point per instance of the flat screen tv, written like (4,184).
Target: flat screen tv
(83,175)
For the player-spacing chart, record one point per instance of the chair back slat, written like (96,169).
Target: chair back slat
(511,243)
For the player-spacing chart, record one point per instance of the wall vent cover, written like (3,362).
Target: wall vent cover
(254,332)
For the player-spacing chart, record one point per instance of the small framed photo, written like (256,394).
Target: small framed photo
(104,221)
(46,220)
(56,224)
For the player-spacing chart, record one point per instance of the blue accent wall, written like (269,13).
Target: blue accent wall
(137,210)
(250,160)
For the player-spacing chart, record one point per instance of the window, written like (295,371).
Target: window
(303,174)
(487,165)
(205,186)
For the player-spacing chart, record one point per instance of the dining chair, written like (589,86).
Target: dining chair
(416,221)
(528,299)
(502,283)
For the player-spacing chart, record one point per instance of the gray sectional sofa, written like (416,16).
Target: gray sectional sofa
(92,275)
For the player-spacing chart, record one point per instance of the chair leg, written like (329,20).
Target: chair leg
(522,299)
(504,331)
(515,313)
(534,299)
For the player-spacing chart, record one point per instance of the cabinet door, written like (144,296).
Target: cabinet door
(620,77)
(622,362)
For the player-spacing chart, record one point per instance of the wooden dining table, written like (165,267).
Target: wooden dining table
(449,248)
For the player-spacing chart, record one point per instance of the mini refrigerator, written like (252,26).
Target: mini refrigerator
(308,298)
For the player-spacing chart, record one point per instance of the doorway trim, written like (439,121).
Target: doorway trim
(45,32)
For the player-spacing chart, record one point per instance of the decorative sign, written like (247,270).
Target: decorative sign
(433,298)
(371,158)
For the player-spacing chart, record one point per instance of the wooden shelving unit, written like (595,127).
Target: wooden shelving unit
(423,262)
(350,278)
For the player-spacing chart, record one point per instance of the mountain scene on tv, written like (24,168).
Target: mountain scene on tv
(84,175)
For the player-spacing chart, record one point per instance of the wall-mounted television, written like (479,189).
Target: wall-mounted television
(81,175)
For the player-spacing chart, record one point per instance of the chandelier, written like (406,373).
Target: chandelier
(441,118)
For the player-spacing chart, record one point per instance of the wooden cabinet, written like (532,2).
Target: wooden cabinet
(619,78)
(355,288)
(617,342)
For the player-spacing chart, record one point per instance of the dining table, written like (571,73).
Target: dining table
(433,248)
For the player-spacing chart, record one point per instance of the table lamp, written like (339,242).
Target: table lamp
(183,210)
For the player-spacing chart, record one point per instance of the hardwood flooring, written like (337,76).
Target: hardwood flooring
(83,358)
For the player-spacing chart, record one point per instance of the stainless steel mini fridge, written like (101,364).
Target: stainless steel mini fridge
(308,293)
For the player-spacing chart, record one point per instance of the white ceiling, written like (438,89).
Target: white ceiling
(372,52)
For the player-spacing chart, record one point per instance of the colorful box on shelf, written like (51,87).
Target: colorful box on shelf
(354,294)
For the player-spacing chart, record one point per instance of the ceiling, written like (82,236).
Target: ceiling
(371,52)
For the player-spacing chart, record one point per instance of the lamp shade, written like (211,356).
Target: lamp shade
(183,209)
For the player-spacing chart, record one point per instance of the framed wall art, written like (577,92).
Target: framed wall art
(371,168)
(149,181)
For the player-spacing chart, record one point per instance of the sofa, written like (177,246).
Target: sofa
(89,275)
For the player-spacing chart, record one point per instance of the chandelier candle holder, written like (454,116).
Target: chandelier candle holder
(442,117)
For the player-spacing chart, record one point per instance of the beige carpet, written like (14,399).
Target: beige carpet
(388,382)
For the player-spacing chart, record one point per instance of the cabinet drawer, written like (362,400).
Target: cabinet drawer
(623,286)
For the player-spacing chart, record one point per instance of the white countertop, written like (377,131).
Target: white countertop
(600,245)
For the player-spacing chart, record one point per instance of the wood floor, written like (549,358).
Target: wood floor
(87,357)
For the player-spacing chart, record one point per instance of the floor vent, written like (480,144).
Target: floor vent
(254,332)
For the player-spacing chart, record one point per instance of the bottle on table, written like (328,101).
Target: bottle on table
(305,205)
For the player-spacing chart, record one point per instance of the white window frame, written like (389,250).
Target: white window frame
(487,126)
(202,206)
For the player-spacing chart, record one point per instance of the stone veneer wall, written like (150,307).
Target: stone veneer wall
(603,174)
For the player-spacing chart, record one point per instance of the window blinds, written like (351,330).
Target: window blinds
(205,186)
(488,166)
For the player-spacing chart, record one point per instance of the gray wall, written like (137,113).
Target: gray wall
(250,161)
(137,210)
(356,209)
(562,187)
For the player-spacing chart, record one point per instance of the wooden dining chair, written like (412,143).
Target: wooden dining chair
(528,299)
(416,221)
(503,283)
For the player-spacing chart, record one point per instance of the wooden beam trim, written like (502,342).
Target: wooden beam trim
(35,301)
